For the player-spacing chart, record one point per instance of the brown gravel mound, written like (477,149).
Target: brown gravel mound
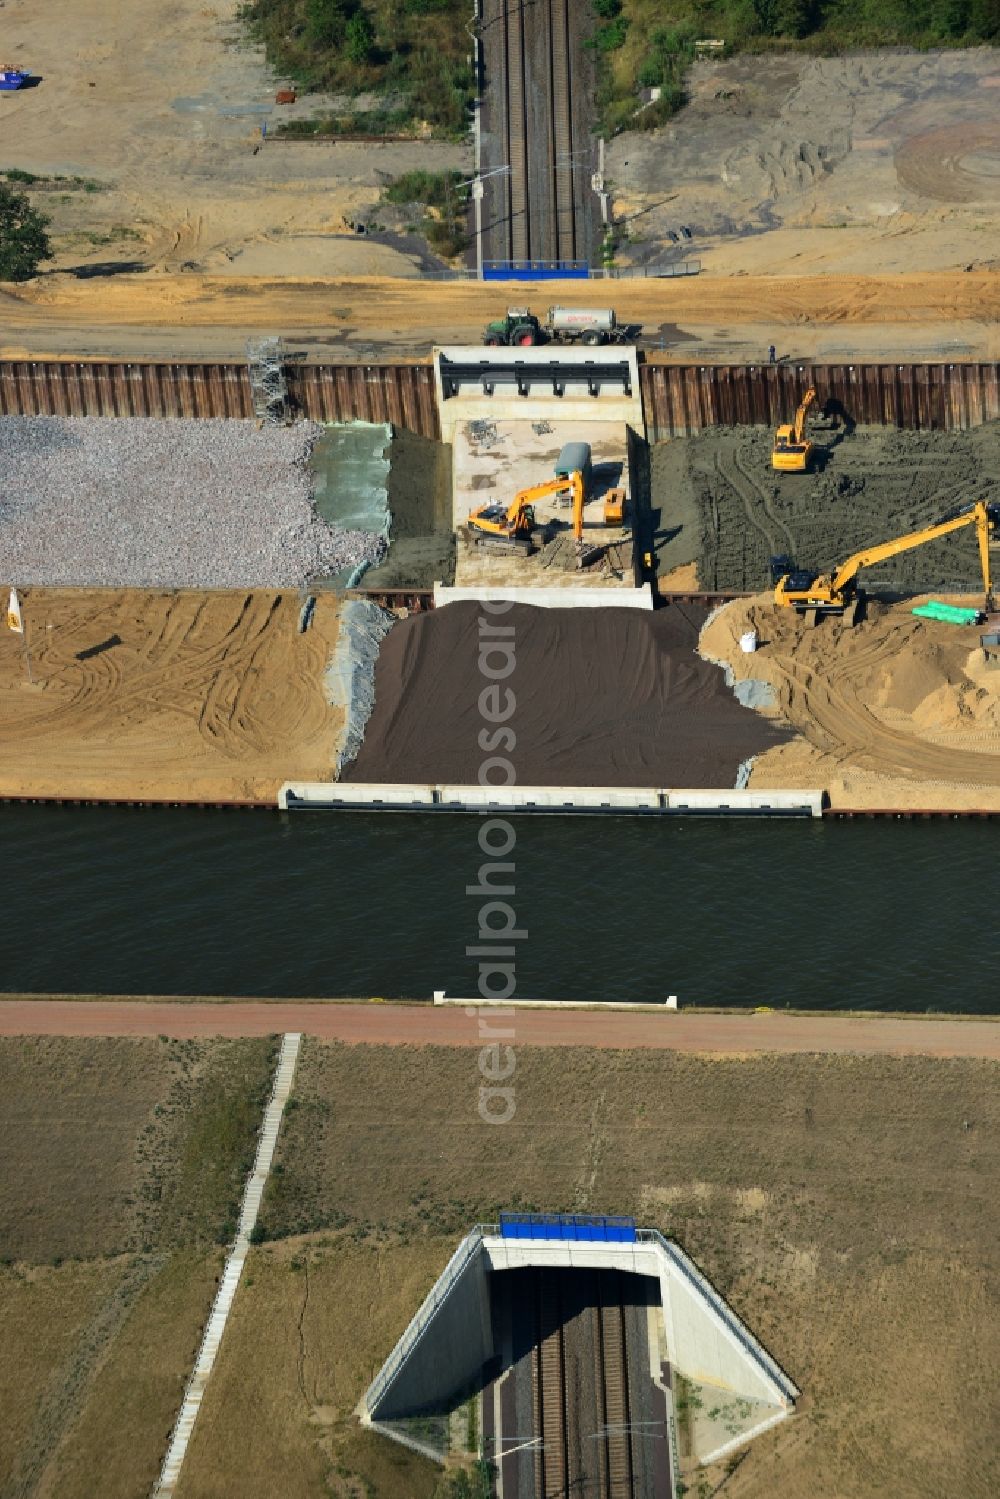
(604,697)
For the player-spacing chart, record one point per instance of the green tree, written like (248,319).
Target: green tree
(326,22)
(360,37)
(24,243)
(984,19)
(795,18)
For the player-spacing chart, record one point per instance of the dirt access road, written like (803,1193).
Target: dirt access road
(424,1025)
(146,316)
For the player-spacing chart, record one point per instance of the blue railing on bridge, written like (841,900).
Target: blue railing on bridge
(535,270)
(567,1226)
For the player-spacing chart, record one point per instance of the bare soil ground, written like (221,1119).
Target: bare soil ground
(172,132)
(865,316)
(187,696)
(872,1287)
(422,550)
(125,1159)
(718,503)
(874,161)
(899,711)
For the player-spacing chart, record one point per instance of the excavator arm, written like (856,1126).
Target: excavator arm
(511,527)
(526,497)
(979,516)
(802,413)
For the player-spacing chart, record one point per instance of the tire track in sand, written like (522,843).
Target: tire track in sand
(826,709)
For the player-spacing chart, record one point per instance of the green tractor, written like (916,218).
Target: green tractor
(519,328)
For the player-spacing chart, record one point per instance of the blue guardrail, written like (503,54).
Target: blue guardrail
(535,270)
(567,1226)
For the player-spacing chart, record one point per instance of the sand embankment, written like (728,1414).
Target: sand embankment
(184,696)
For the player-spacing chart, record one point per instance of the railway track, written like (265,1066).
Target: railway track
(614,1382)
(531,47)
(596,1459)
(561,103)
(551,1384)
(516,129)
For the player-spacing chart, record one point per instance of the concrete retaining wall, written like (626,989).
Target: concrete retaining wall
(576,404)
(443,1350)
(346,796)
(549,598)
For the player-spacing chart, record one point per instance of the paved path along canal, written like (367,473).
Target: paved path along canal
(416,1025)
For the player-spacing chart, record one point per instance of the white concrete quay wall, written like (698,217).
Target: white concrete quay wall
(596,800)
(549,598)
(576,404)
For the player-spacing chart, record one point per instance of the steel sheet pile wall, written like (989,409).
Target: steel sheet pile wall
(401,394)
(676,398)
(684,398)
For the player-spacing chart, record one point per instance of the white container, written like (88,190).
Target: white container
(573,319)
(748,642)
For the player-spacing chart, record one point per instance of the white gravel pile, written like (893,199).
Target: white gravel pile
(136,502)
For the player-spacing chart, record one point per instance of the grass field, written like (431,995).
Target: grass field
(844,1205)
(121,1168)
(313,1320)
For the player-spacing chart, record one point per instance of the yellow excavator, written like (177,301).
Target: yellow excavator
(511,528)
(837,592)
(792,451)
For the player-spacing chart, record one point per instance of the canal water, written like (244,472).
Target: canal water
(879,915)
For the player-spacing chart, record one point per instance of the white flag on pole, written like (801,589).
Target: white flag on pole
(14,620)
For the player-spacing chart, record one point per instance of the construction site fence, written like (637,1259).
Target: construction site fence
(677,398)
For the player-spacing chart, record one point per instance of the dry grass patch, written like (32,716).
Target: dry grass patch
(311,1325)
(118,1441)
(844,1204)
(115,1145)
(125,1159)
(44,1313)
(71,1113)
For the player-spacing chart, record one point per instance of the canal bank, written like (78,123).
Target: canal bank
(811,914)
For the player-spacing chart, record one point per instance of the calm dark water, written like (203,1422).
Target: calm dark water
(855,915)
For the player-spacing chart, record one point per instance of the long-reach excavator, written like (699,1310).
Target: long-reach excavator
(837,592)
(792,451)
(511,528)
